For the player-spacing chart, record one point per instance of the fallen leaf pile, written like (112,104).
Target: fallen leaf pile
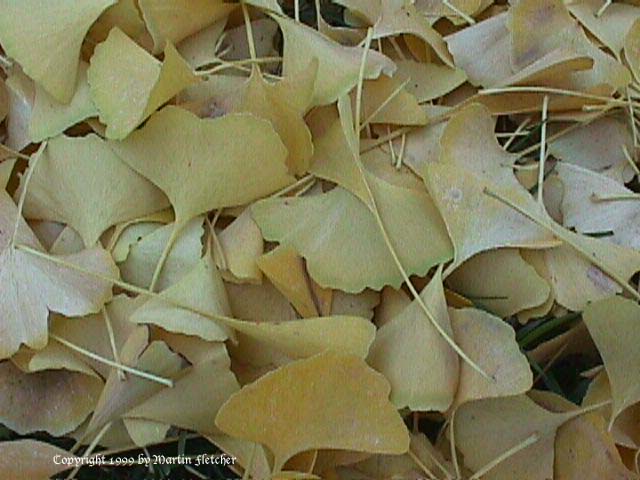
(359,239)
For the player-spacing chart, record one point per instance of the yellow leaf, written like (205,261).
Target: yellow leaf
(472,160)
(270,102)
(50,117)
(494,280)
(146,248)
(245,148)
(92,334)
(541,26)
(401,17)
(584,450)
(335,256)
(200,289)
(287,272)
(612,324)
(32,286)
(632,49)
(338,66)
(194,400)
(128,84)
(118,397)
(401,109)
(327,401)
(309,336)
(491,343)
(611,27)
(428,81)
(420,365)
(242,245)
(45,37)
(170,22)
(487,429)
(111,192)
(596,146)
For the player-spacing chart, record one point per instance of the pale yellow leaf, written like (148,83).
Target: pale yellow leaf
(245,148)
(127,84)
(85,168)
(410,352)
(45,37)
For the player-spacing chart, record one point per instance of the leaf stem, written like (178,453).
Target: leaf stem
(177,228)
(543,150)
(134,371)
(559,232)
(470,20)
(112,341)
(530,440)
(374,209)
(23,193)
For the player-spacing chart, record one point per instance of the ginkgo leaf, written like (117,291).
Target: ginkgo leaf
(270,102)
(333,157)
(412,354)
(194,401)
(118,396)
(326,401)
(70,398)
(144,253)
(196,49)
(45,37)
(286,270)
(335,256)
(242,245)
(34,285)
(50,117)
(128,84)
(4,101)
(584,206)
(259,303)
(92,332)
(6,169)
(20,93)
(632,49)
(585,450)
(552,27)
(111,192)
(475,222)
(482,51)
(385,100)
(203,291)
(306,337)
(32,459)
(54,356)
(192,178)
(176,20)
(494,279)
(436,8)
(338,66)
(401,17)
(124,15)
(427,81)
(611,27)
(492,344)
(487,429)
(577,281)
(597,146)
(612,325)
(145,432)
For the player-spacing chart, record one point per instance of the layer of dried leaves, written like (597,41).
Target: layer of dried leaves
(350,246)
